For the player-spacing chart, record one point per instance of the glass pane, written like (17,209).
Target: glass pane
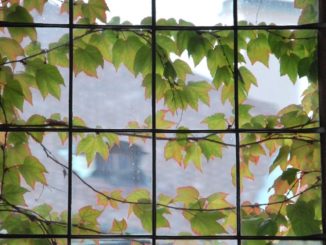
(52,11)
(34,75)
(190,12)
(111,242)
(194,79)
(281,180)
(278,79)
(34,183)
(195,192)
(196,242)
(112,184)
(260,242)
(24,241)
(115,12)
(279,12)
(108,88)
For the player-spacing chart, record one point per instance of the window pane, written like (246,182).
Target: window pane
(279,12)
(281,184)
(34,183)
(188,12)
(260,242)
(194,82)
(115,12)
(278,90)
(109,184)
(194,174)
(35,73)
(196,242)
(111,242)
(108,83)
(52,11)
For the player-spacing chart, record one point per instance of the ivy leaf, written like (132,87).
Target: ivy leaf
(246,76)
(216,121)
(144,213)
(268,227)
(95,9)
(13,95)
(10,48)
(92,144)
(59,52)
(205,223)
(193,154)
(187,195)
(119,226)
(138,195)
(173,150)
(143,61)
(289,66)
(89,215)
(17,13)
(195,91)
(48,80)
(87,60)
(197,48)
(35,4)
(258,50)
(33,171)
(210,147)
(14,194)
(303,211)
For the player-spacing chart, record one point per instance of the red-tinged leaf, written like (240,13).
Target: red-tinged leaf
(173,150)
(193,154)
(10,48)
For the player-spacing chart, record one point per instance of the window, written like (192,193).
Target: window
(162,122)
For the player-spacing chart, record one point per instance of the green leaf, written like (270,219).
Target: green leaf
(17,13)
(198,48)
(173,150)
(14,194)
(89,215)
(209,148)
(289,66)
(143,61)
(87,60)
(119,226)
(302,217)
(216,121)
(13,95)
(35,4)
(59,54)
(193,154)
(258,50)
(195,91)
(267,228)
(92,144)
(48,80)
(138,195)
(205,223)
(95,9)
(246,76)
(33,171)
(187,195)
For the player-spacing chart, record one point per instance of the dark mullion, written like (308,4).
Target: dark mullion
(70,117)
(322,105)
(236,120)
(167,27)
(111,236)
(22,128)
(153,30)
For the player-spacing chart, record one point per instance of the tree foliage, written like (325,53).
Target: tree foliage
(294,207)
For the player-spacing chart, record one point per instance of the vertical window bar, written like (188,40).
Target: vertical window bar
(70,116)
(322,105)
(236,118)
(153,28)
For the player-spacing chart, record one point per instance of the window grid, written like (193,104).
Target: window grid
(320,27)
